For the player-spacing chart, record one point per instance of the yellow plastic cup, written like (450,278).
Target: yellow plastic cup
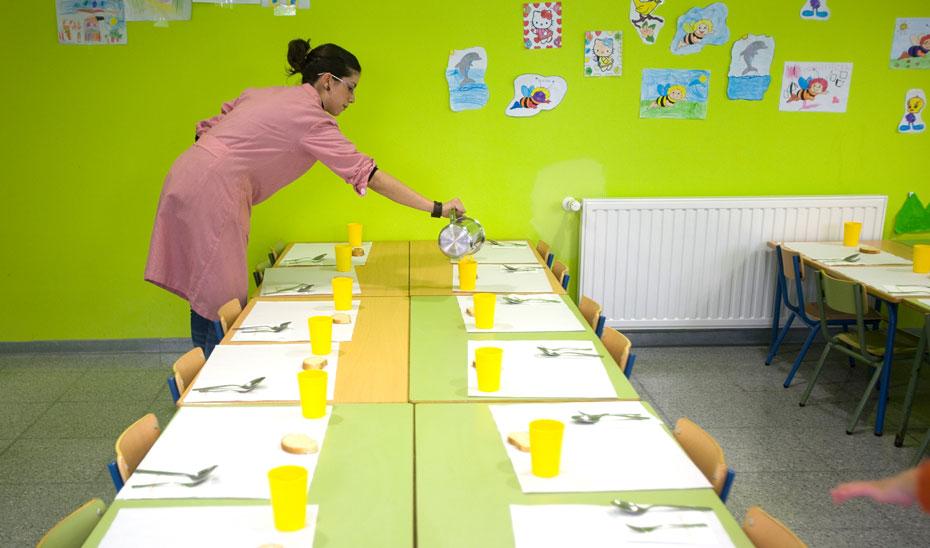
(484,309)
(342,292)
(546,447)
(355,234)
(921,258)
(851,231)
(488,363)
(468,273)
(343,258)
(288,497)
(312,383)
(321,334)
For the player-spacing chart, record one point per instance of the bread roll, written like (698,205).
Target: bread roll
(358,252)
(869,249)
(299,444)
(520,440)
(315,362)
(341,318)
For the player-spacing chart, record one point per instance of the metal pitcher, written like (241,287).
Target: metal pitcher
(462,236)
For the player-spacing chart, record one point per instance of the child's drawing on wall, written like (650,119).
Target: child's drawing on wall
(815,9)
(159,11)
(645,20)
(465,75)
(668,93)
(699,27)
(542,25)
(914,102)
(910,47)
(98,22)
(603,53)
(750,67)
(533,93)
(818,87)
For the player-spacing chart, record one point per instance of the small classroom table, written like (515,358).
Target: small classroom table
(363,482)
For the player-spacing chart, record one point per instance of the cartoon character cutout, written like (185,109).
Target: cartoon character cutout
(910,44)
(700,27)
(603,50)
(920,48)
(534,93)
(674,93)
(696,32)
(542,25)
(602,53)
(815,9)
(820,87)
(644,19)
(914,103)
(806,89)
(669,95)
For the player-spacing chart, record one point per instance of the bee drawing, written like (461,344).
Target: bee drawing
(532,97)
(696,32)
(669,95)
(807,89)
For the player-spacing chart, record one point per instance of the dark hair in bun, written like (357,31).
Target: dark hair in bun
(310,63)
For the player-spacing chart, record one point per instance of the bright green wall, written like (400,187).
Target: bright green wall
(91,131)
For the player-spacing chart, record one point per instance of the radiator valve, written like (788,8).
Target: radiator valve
(571,205)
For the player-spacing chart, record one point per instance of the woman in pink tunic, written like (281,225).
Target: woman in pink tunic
(262,141)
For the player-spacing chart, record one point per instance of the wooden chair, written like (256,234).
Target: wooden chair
(560,271)
(591,311)
(861,345)
(259,273)
(619,347)
(706,454)
(545,252)
(275,251)
(228,314)
(183,372)
(131,447)
(767,532)
(73,529)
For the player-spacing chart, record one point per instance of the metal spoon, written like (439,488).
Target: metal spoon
(510,299)
(251,385)
(199,475)
(299,288)
(848,259)
(194,483)
(549,353)
(504,244)
(511,268)
(298,260)
(587,418)
(654,527)
(633,509)
(264,328)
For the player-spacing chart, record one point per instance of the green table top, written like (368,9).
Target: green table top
(363,482)
(466,483)
(439,344)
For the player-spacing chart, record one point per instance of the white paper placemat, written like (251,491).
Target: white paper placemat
(244,443)
(278,363)
(890,277)
(561,525)
(302,254)
(539,313)
(296,312)
(506,251)
(494,278)
(612,455)
(833,253)
(303,281)
(924,303)
(199,526)
(524,374)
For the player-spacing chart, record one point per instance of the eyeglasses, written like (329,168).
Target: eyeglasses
(350,87)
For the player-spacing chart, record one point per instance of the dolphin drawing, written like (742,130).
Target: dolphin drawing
(749,53)
(464,65)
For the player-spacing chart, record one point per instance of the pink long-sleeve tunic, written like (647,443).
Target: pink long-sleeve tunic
(261,142)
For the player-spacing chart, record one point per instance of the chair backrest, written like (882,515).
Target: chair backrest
(767,532)
(545,251)
(134,443)
(559,270)
(618,345)
(228,314)
(275,251)
(259,273)
(73,529)
(704,452)
(590,310)
(844,296)
(186,368)
(792,277)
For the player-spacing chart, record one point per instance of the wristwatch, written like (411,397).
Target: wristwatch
(437,210)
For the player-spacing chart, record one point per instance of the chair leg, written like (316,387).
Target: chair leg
(922,449)
(851,426)
(797,361)
(778,340)
(810,387)
(852,362)
(911,390)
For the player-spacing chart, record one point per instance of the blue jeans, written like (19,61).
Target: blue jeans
(203,333)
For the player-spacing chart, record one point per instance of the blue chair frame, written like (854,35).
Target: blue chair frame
(173,388)
(795,311)
(550,259)
(565,279)
(115,476)
(601,321)
(727,484)
(629,365)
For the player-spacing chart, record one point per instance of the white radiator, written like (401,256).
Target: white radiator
(702,262)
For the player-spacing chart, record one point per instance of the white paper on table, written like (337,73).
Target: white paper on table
(494,278)
(612,455)
(833,253)
(881,276)
(509,251)
(527,317)
(906,289)
(198,526)
(278,363)
(296,312)
(244,443)
(560,525)
(524,374)
(924,302)
(281,282)
(300,254)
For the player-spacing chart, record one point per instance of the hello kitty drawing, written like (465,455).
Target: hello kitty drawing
(542,25)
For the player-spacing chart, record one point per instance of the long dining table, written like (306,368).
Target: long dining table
(400,464)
